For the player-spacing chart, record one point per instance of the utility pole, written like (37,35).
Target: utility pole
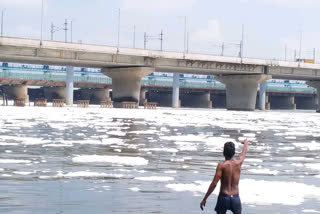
(119,19)
(41,22)
(241,43)
(52,30)
(188,42)
(295,55)
(71,30)
(2,17)
(66,30)
(134,36)
(300,46)
(222,49)
(185,36)
(161,39)
(314,55)
(145,40)
(285,52)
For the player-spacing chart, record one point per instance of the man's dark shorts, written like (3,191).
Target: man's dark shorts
(228,202)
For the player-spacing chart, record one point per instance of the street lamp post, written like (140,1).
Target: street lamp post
(41,21)
(2,17)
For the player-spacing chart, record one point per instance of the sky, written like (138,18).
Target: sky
(269,25)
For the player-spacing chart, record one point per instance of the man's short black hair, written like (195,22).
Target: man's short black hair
(229,150)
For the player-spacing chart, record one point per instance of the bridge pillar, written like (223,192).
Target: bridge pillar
(17,91)
(262,95)
(242,90)
(58,92)
(143,99)
(316,85)
(196,100)
(69,85)
(126,83)
(96,95)
(175,91)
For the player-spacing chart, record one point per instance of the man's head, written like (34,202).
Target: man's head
(228,150)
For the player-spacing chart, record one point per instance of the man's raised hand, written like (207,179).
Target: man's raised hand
(244,142)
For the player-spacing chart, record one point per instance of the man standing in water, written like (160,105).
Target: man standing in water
(229,173)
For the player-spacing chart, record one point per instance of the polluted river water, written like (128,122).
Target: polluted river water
(94,160)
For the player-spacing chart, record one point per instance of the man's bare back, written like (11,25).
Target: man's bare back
(228,172)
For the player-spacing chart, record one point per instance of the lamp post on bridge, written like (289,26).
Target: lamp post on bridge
(2,20)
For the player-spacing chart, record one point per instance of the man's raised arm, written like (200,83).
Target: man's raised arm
(244,150)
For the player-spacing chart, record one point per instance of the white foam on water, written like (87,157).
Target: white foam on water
(8,144)
(6,175)
(299,159)
(186,146)
(14,161)
(313,145)
(260,192)
(1,169)
(315,166)
(134,189)
(87,174)
(57,145)
(264,171)
(130,161)
(22,173)
(290,137)
(297,164)
(187,138)
(8,151)
(310,211)
(170,172)
(253,160)
(155,178)
(170,150)
(117,133)
(147,132)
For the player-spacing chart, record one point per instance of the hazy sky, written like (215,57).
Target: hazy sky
(269,24)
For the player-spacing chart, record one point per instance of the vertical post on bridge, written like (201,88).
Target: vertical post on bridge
(175,91)
(69,85)
(262,95)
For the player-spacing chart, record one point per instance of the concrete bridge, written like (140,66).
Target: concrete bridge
(196,90)
(127,66)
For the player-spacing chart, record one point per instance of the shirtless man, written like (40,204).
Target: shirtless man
(229,173)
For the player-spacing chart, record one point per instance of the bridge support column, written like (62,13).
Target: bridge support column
(262,95)
(126,83)
(143,99)
(16,91)
(175,91)
(58,92)
(242,90)
(196,100)
(95,95)
(316,84)
(69,86)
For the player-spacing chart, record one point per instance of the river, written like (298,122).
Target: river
(94,160)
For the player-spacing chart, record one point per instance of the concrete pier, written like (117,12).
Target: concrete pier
(282,102)
(196,100)
(262,95)
(316,84)
(126,83)
(241,90)
(69,85)
(175,91)
(58,92)
(16,91)
(95,95)
(143,98)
